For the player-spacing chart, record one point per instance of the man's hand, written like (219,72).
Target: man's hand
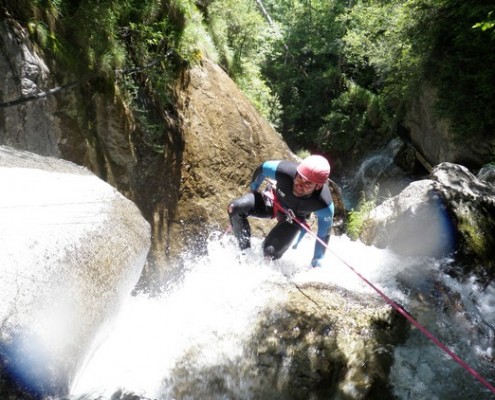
(316,262)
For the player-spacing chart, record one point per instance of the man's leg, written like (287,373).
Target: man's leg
(279,239)
(251,204)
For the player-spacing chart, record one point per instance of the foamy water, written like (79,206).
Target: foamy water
(208,309)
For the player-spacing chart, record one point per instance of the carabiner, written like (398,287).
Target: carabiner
(290,216)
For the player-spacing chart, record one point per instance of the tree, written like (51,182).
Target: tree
(303,66)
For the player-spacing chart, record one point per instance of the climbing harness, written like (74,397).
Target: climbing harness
(279,211)
(290,216)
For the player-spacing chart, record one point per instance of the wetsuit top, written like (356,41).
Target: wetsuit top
(320,201)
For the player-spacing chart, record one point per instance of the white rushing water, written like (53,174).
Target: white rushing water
(207,309)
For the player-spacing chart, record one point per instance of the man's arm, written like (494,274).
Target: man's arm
(265,170)
(325,221)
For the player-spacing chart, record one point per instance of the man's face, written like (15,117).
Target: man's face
(302,187)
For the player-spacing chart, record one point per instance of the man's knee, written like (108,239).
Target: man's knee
(241,206)
(279,239)
(236,213)
(269,252)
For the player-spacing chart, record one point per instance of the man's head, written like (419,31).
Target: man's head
(312,174)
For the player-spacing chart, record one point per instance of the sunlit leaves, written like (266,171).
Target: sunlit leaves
(196,42)
(356,112)
(303,65)
(487,24)
(240,30)
(243,38)
(378,35)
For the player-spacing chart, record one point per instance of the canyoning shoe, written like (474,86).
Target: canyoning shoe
(245,256)
(316,262)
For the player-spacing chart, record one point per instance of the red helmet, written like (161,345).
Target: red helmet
(315,169)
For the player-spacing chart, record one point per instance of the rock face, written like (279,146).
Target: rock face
(433,137)
(308,348)
(225,139)
(182,182)
(303,346)
(72,250)
(451,211)
(94,134)
(23,72)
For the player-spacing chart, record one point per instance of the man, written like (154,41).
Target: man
(300,190)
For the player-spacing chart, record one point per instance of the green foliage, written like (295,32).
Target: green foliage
(40,31)
(251,82)
(196,42)
(302,67)
(461,67)
(487,24)
(93,37)
(303,153)
(243,38)
(328,73)
(354,114)
(357,219)
(239,31)
(409,42)
(92,29)
(345,73)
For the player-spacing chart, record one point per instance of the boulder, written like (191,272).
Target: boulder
(225,139)
(72,250)
(326,342)
(181,176)
(315,341)
(487,174)
(434,139)
(413,223)
(452,213)
(471,206)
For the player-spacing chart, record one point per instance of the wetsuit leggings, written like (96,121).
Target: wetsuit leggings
(278,239)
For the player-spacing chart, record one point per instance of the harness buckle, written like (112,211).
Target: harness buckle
(271,200)
(268,196)
(290,216)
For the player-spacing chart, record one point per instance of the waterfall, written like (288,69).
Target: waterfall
(377,176)
(200,321)
(187,342)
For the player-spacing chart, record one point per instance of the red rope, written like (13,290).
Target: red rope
(278,207)
(404,313)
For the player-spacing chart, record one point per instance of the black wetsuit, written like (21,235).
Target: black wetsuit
(257,205)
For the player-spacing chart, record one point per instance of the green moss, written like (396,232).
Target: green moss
(472,230)
(303,153)
(358,218)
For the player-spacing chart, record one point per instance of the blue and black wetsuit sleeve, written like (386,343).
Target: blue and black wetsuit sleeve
(266,170)
(325,221)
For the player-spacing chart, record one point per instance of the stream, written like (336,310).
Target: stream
(198,323)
